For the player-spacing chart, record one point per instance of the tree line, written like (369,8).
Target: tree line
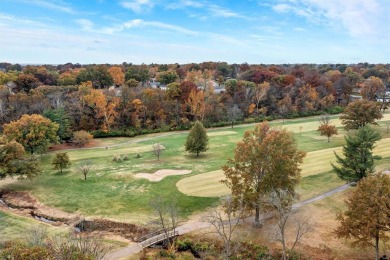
(129,99)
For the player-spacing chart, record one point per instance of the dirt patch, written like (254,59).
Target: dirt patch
(160,174)
(28,205)
(102,226)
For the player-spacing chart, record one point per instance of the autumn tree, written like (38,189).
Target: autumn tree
(366,220)
(326,128)
(35,132)
(117,75)
(61,161)
(196,104)
(372,88)
(197,139)
(26,82)
(15,162)
(81,138)
(261,91)
(267,158)
(104,108)
(360,113)
(358,161)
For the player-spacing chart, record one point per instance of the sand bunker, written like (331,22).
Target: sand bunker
(160,174)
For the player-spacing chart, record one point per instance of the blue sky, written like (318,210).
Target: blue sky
(184,31)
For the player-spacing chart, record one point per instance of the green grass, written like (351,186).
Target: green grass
(112,191)
(14,227)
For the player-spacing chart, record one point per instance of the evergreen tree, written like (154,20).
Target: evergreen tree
(197,140)
(358,159)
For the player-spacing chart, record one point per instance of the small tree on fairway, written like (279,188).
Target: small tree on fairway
(197,140)
(358,159)
(84,168)
(366,219)
(325,128)
(157,150)
(61,161)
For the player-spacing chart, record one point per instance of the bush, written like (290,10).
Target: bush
(82,138)
(20,251)
(117,158)
(126,157)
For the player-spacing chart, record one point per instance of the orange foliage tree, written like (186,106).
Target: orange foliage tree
(117,74)
(103,108)
(266,159)
(35,132)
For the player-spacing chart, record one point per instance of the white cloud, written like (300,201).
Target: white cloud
(361,18)
(85,24)
(138,23)
(138,6)
(56,5)
(4,18)
(185,3)
(222,12)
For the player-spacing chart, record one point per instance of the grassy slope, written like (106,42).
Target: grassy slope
(16,227)
(111,191)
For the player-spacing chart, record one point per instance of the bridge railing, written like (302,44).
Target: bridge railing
(158,238)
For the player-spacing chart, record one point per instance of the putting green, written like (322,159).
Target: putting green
(209,185)
(204,185)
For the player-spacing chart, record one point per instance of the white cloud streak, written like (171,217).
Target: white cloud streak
(138,6)
(55,5)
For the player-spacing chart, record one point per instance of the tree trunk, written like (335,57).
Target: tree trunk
(232,123)
(328,139)
(61,169)
(85,177)
(257,216)
(197,153)
(377,246)
(284,249)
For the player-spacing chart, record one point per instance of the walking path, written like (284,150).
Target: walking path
(197,225)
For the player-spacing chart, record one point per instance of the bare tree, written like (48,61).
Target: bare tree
(157,150)
(168,217)
(281,202)
(84,168)
(225,223)
(324,119)
(234,113)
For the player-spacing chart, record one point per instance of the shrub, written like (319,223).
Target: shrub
(117,158)
(126,157)
(20,251)
(82,138)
